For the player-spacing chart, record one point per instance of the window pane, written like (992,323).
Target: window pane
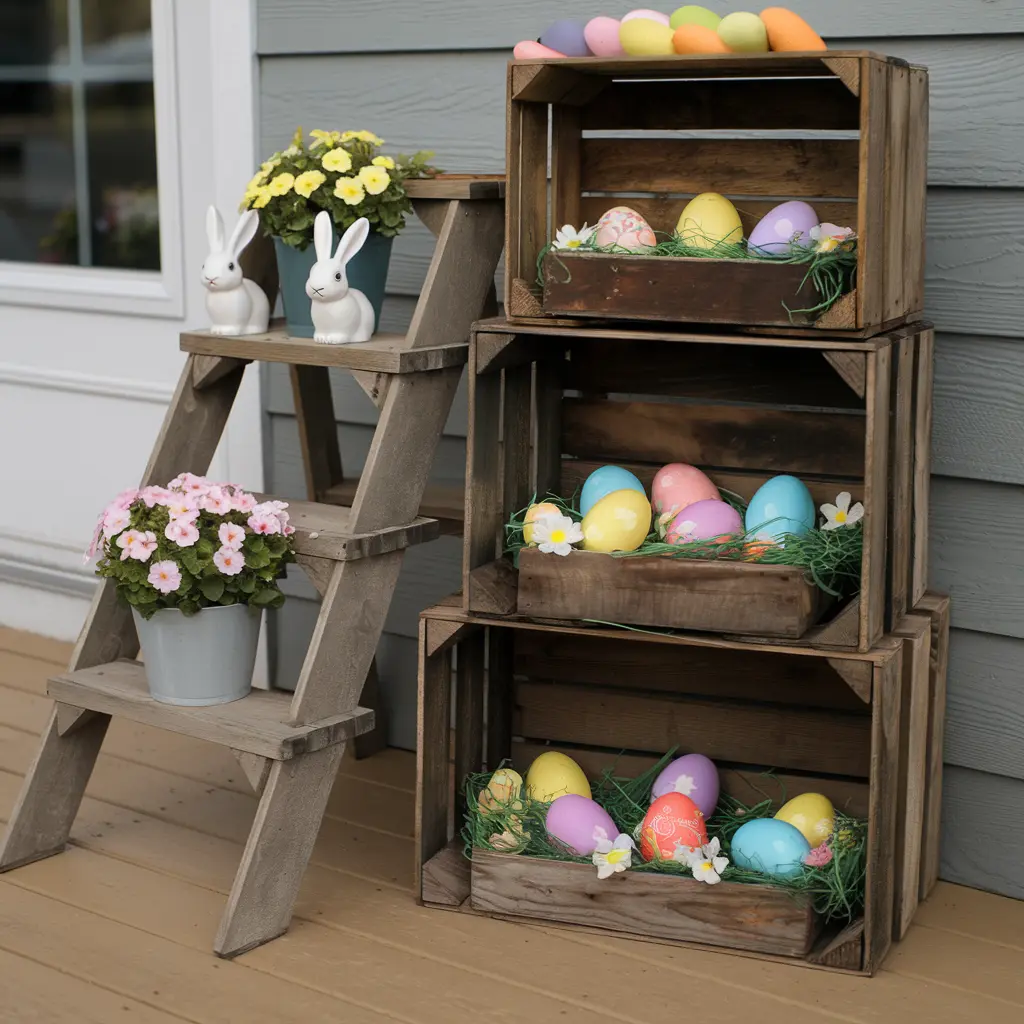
(33,32)
(122,175)
(116,31)
(37,174)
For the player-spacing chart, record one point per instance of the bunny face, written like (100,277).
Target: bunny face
(326,281)
(327,278)
(222,270)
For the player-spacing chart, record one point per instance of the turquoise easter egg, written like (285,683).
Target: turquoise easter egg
(782,505)
(769,846)
(604,481)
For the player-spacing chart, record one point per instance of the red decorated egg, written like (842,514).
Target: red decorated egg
(672,820)
(678,485)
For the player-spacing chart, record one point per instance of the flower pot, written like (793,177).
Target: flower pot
(367,271)
(202,659)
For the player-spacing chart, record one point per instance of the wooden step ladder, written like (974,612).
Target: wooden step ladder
(290,745)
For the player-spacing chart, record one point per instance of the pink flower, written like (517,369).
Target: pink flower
(287,530)
(183,508)
(190,484)
(125,498)
(182,531)
(155,496)
(126,540)
(243,502)
(231,536)
(217,501)
(165,576)
(819,856)
(264,523)
(144,546)
(114,521)
(229,561)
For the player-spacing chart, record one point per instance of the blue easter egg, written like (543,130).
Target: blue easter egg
(604,481)
(566,36)
(782,505)
(770,846)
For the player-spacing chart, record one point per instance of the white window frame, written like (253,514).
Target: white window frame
(142,292)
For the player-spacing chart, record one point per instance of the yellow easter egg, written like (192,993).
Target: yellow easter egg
(641,37)
(502,790)
(708,220)
(533,513)
(743,32)
(620,521)
(554,774)
(812,815)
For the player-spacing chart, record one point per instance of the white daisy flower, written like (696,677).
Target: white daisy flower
(612,857)
(705,862)
(556,534)
(841,514)
(567,237)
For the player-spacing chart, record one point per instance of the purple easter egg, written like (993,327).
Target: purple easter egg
(566,36)
(704,520)
(693,775)
(781,226)
(574,819)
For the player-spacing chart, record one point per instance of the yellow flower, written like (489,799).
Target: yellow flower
(365,136)
(324,138)
(349,190)
(347,136)
(337,160)
(375,179)
(255,181)
(268,165)
(308,182)
(383,161)
(282,184)
(263,196)
(292,151)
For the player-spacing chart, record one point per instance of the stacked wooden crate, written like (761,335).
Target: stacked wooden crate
(844,698)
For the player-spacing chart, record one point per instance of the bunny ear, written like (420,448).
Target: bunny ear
(214,229)
(323,236)
(243,233)
(352,241)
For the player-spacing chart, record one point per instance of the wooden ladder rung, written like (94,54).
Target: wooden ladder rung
(441,501)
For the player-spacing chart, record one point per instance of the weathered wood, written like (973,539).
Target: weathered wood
(871,268)
(895,300)
(317,569)
(922,465)
(844,950)
(256,768)
(71,718)
(546,429)
(852,367)
(500,696)
(469,713)
(841,632)
(847,70)
(516,439)
(442,635)
(899,500)
(374,740)
(445,877)
(856,674)
(456,186)
(566,147)
(876,480)
(207,370)
(443,502)
(491,589)
(318,433)
(916,190)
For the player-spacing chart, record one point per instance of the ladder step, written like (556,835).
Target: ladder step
(445,502)
(257,723)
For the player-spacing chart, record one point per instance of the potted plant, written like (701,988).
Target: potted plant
(197,562)
(346,174)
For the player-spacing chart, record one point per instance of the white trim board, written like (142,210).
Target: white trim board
(84,384)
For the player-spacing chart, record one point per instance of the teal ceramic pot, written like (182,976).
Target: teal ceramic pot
(367,271)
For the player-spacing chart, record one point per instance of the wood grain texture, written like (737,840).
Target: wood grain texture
(314,416)
(871,268)
(445,877)
(469,712)
(898,260)
(876,487)
(922,419)
(900,505)
(501,647)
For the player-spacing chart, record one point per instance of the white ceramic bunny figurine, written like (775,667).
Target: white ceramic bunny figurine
(341,315)
(235,304)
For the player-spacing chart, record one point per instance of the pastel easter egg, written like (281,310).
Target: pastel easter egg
(533,513)
(770,847)
(643,37)
(812,814)
(602,36)
(603,481)
(782,227)
(566,36)
(788,31)
(553,774)
(705,520)
(502,790)
(743,32)
(693,14)
(579,822)
(781,505)
(530,49)
(709,220)
(647,15)
(697,39)
(693,775)
(625,228)
(620,521)
(671,820)
(677,485)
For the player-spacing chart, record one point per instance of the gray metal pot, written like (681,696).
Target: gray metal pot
(206,658)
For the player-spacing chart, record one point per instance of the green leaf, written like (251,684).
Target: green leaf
(212,587)
(246,583)
(265,597)
(254,542)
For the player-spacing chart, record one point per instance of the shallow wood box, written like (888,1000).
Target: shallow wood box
(845,131)
(549,405)
(825,722)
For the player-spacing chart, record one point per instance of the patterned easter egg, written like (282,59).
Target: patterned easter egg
(782,227)
(579,822)
(553,774)
(625,228)
(693,775)
(602,36)
(677,485)
(502,790)
(672,820)
(704,520)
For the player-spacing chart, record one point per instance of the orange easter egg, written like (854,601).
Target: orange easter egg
(697,39)
(788,31)
(530,49)
(672,820)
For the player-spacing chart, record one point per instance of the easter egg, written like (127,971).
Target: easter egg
(693,775)
(677,485)
(704,520)
(576,821)
(625,228)
(671,820)
(566,36)
(692,14)
(602,36)
(502,790)
(530,49)
(603,481)
(781,505)
(620,521)
(533,513)
(812,815)
(697,39)
(554,774)
(743,33)
(788,31)
(782,227)
(647,15)
(708,220)
(769,846)
(643,37)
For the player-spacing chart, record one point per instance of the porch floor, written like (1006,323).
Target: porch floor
(120,926)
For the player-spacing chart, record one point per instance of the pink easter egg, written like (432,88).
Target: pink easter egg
(693,775)
(575,821)
(530,49)
(783,225)
(602,36)
(677,485)
(704,520)
(625,228)
(657,16)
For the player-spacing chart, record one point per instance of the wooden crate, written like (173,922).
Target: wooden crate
(547,406)
(827,722)
(845,131)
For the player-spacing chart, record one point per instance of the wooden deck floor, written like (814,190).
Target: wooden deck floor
(119,927)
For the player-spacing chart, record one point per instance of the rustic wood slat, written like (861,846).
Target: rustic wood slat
(501,647)
(456,186)
(318,433)
(469,713)
(876,489)
(256,768)
(895,285)
(899,503)
(871,267)
(914,209)
(566,143)
(921,487)
(446,877)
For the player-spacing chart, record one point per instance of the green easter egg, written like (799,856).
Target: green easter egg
(743,33)
(694,14)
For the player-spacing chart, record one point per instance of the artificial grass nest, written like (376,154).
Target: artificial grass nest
(517,825)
